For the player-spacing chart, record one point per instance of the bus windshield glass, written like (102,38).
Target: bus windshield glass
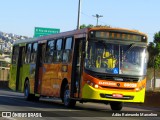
(115,58)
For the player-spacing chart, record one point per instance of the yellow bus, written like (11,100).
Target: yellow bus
(100,64)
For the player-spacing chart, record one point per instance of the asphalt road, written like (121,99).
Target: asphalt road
(49,109)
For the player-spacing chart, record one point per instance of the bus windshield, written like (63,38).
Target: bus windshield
(116,58)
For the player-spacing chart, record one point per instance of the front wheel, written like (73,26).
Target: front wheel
(116,105)
(68,102)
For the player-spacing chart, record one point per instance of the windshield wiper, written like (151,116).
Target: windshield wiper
(130,47)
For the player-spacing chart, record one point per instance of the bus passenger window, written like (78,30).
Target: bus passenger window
(68,44)
(42,60)
(59,50)
(65,56)
(28,52)
(34,53)
(67,51)
(15,55)
(23,55)
(49,51)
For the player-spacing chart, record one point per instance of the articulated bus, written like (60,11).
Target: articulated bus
(100,64)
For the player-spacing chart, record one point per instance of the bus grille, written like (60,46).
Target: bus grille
(112,78)
(118,88)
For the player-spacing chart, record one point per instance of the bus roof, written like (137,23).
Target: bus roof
(118,29)
(55,36)
(75,32)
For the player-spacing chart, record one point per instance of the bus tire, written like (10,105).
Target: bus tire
(116,105)
(67,101)
(27,94)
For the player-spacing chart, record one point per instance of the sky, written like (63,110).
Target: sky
(22,16)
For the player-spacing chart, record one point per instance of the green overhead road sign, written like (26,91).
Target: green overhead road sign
(39,31)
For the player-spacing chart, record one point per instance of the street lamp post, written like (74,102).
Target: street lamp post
(79,10)
(97,16)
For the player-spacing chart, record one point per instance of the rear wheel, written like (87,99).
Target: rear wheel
(27,94)
(116,105)
(68,102)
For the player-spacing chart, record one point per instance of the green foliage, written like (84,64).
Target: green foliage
(90,26)
(86,26)
(157,37)
(151,49)
(157,62)
(154,51)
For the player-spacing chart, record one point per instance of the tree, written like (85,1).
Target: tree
(86,26)
(157,37)
(90,26)
(154,51)
(157,49)
(154,54)
(151,50)
(157,55)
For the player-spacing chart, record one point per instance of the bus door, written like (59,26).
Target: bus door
(20,68)
(77,67)
(39,68)
(13,68)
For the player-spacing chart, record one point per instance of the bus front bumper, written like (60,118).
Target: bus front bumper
(90,93)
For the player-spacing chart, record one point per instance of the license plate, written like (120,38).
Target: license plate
(117,95)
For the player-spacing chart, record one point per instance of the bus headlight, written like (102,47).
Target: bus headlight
(137,89)
(96,86)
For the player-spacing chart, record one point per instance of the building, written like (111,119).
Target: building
(1,44)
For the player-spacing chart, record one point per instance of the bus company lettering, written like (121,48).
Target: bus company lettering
(107,83)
